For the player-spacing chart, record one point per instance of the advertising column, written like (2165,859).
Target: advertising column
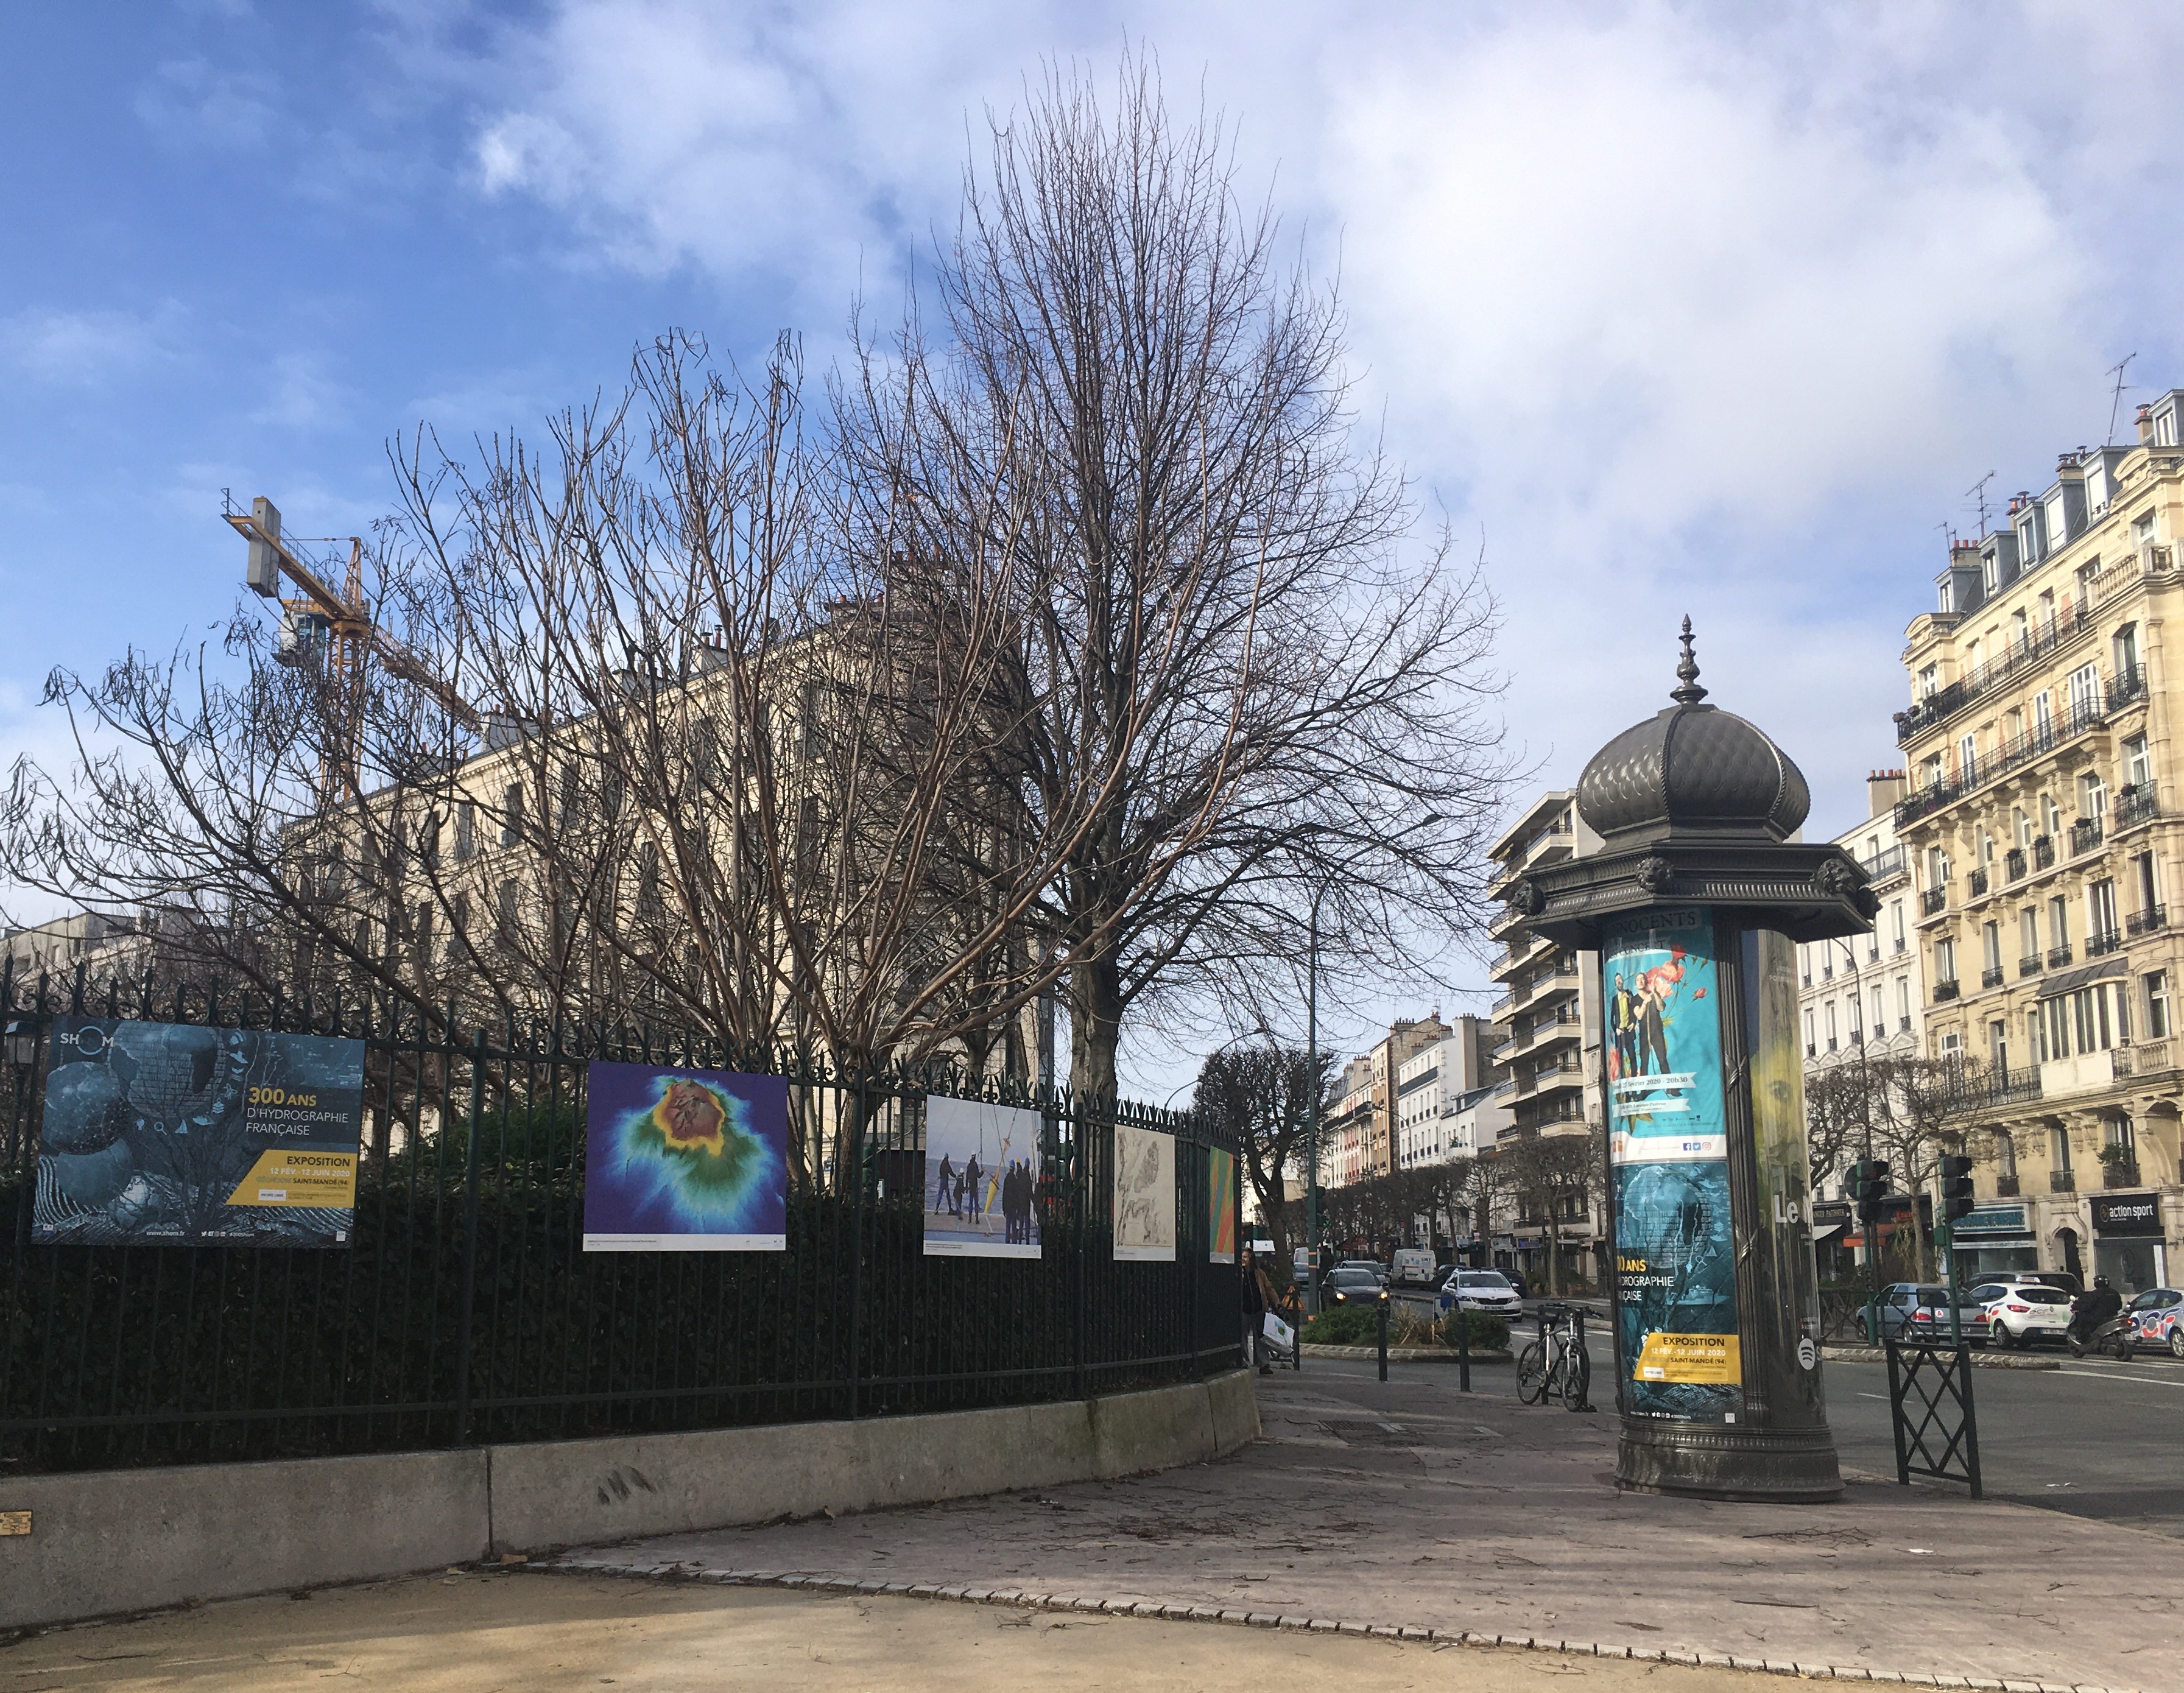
(1676,1318)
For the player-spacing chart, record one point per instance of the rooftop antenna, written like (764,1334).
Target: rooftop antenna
(2115,405)
(1948,534)
(1978,491)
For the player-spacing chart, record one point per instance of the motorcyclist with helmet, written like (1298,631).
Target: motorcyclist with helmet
(2099,1304)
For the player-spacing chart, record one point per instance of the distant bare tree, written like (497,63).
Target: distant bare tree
(1262,1094)
(1561,1175)
(1215,617)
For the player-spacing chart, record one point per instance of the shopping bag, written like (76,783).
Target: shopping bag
(1279,1332)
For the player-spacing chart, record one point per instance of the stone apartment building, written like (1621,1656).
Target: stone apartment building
(2043,831)
(1548,1016)
(1437,1086)
(1362,1138)
(1865,997)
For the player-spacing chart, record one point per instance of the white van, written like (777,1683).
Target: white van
(1413,1266)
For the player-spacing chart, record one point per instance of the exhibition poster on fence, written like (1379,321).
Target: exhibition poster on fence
(166,1133)
(1144,1195)
(685,1160)
(981,1180)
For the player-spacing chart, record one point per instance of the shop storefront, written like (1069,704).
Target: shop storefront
(1994,1238)
(1836,1261)
(2128,1245)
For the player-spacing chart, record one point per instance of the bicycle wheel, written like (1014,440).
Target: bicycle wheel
(1578,1367)
(1531,1372)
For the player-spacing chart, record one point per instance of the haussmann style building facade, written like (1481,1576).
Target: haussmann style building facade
(2042,830)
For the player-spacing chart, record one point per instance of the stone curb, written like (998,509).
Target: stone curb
(1984,1361)
(1266,1619)
(1406,1355)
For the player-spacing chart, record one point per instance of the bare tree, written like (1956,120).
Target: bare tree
(1215,618)
(1561,1175)
(1263,1095)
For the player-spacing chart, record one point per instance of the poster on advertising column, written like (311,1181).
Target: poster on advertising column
(981,1180)
(1668,1150)
(169,1134)
(684,1161)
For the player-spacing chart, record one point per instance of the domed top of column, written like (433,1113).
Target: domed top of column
(1693,768)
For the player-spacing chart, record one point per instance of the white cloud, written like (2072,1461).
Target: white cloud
(83,348)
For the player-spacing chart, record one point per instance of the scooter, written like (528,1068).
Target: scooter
(2117,1339)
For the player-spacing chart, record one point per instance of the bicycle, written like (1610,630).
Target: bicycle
(1555,1365)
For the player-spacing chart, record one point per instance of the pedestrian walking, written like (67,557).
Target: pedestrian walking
(1258,1296)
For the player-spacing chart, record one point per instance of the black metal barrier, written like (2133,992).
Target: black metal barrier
(1930,1410)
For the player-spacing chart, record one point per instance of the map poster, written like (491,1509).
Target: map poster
(164,1133)
(981,1180)
(1668,1149)
(685,1160)
(1144,1195)
(1220,1206)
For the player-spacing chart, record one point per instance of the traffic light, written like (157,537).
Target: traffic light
(1956,1186)
(1868,1181)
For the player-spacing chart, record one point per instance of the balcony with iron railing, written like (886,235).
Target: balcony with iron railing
(2151,921)
(2103,941)
(1931,902)
(2117,1174)
(1939,706)
(1991,977)
(2005,1187)
(2135,805)
(2029,965)
(1887,864)
(2044,852)
(2062,1181)
(1945,991)
(2085,835)
(2058,956)
(1978,881)
(2082,716)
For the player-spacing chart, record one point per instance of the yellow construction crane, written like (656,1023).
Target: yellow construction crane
(323,626)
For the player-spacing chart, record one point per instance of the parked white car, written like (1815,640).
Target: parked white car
(2022,1314)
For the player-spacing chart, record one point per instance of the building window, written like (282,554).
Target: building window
(1831,1021)
(2089,1020)
(2157,1004)
(1930,678)
(1997,1046)
(2035,1033)
(2028,934)
(1990,948)
(465,831)
(2126,648)
(1945,961)
(1904,1003)
(2051,816)
(1896,923)
(2085,686)
(2100,911)
(2137,768)
(2005,1154)
(2093,796)
(2058,1143)
(2020,827)
(1812,1047)
(1968,759)
(2059,922)
(511,809)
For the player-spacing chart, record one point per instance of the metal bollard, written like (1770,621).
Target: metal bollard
(1463,1348)
(1384,1337)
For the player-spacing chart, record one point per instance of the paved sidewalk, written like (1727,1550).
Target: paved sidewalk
(499,1634)
(1406,1505)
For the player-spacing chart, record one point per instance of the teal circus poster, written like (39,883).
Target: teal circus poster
(1668,1149)
(685,1160)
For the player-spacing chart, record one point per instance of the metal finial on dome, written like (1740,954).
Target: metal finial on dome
(1687,672)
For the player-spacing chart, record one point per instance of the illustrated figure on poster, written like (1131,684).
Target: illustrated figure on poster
(1145,1195)
(1655,986)
(974,1175)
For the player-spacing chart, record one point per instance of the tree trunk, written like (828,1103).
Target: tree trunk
(1095,1025)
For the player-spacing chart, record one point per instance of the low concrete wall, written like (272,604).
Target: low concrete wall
(127,1540)
(130,1539)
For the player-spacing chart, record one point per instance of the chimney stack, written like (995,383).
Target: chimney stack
(1884,790)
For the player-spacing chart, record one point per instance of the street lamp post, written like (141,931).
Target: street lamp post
(1311,1115)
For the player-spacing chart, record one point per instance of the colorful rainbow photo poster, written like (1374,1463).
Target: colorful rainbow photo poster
(685,1160)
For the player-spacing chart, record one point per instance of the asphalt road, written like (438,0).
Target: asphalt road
(2096,1439)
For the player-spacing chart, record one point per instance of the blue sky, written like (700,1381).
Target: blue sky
(1678,308)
